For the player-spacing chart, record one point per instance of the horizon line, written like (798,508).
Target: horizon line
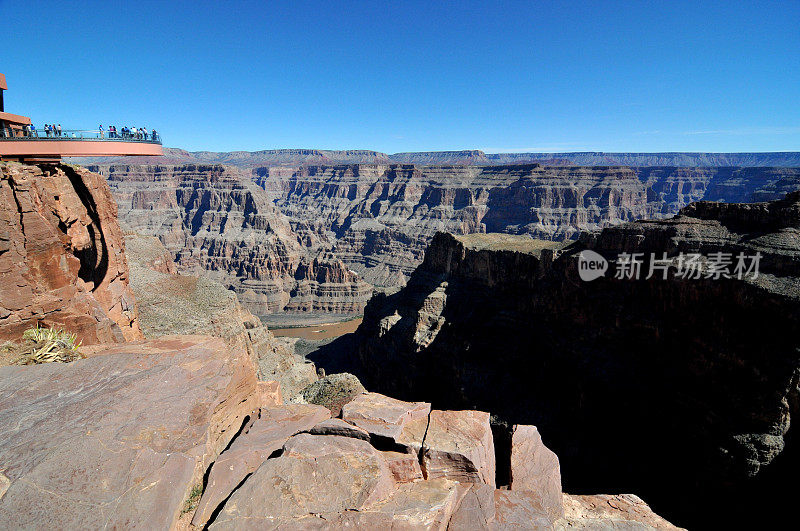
(485,152)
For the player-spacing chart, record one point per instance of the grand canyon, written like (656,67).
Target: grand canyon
(407,266)
(479,345)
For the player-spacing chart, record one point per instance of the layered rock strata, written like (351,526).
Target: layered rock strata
(62,255)
(467,157)
(216,223)
(692,379)
(380,218)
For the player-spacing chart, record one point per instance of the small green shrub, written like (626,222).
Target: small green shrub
(194,498)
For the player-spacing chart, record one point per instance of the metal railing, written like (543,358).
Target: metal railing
(79,134)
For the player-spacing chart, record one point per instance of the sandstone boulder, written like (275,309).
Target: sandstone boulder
(119,439)
(316,474)
(62,256)
(535,469)
(383,416)
(457,445)
(251,448)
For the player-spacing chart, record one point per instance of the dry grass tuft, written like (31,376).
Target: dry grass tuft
(44,345)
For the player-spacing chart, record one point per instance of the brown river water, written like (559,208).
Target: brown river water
(319,331)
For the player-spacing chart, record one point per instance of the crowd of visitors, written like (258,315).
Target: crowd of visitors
(129,133)
(125,133)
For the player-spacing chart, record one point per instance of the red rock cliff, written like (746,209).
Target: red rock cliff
(62,255)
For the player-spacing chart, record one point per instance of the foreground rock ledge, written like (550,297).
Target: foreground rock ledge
(119,439)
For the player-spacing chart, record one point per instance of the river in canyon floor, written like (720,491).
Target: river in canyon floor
(313,326)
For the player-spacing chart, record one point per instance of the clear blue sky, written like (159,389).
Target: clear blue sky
(414,76)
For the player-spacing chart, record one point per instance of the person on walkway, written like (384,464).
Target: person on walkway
(47,130)
(144,133)
(33,131)
(58,129)
(100,128)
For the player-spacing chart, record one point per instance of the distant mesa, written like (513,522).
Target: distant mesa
(473,157)
(22,141)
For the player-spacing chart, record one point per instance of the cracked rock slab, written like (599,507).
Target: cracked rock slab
(383,416)
(316,474)
(118,440)
(535,469)
(456,445)
(251,448)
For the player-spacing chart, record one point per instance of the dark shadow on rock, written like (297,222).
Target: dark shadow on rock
(338,355)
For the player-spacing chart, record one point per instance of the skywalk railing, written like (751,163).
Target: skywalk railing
(81,134)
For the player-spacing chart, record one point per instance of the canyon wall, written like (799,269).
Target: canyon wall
(217,223)
(468,157)
(289,238)
(680,389)
(62,255)
(380,218)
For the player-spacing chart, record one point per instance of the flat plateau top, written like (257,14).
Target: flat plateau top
(497,241)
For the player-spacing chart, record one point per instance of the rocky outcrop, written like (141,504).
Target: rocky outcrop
(693,379)
(216,223)
(62,257)
(171,304)
(337,475)
(133,435)
(118,439)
